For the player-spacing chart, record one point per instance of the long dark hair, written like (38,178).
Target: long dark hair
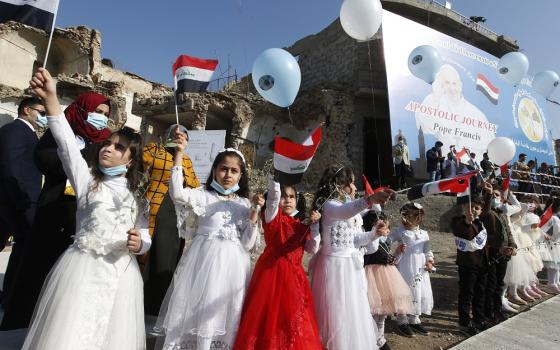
(243,180)
(133,141)
(331,183)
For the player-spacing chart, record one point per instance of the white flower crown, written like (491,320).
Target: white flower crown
(230,149)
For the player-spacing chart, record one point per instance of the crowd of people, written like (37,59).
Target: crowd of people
(101,244)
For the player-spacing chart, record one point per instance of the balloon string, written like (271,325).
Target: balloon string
(374,114)
(290,116)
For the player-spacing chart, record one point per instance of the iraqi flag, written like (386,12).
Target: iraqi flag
(502,170)
(485,86)
(545,218)
(463,156)
(458,184)
(192,74)
(292,159)
(36,13)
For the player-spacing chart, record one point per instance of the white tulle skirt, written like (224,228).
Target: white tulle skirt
(411,267)
(339,290)
(553,247)
(540,244)
(532,254)
(519,271)
(89,302)
(206,296)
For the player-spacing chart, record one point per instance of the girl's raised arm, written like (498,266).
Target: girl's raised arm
(74,165)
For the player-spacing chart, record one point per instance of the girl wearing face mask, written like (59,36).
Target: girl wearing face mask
(416,263)
(388,293)
(552,232)
(55,219)
(338,281)
(279,306)
(93,296)
(203,304)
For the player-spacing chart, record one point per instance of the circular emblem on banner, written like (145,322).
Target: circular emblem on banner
(530,119)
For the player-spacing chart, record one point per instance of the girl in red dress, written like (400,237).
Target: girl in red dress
(278,312)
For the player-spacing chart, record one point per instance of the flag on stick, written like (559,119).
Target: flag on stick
(463,156)
(37,13)
(192,74)
(547,215)
(458,184)
(292,159)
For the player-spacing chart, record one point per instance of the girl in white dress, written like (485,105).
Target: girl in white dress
(338,280)
(415,264)
(92,298)
(552,231)
(535,240)
(203,305)
(519,273)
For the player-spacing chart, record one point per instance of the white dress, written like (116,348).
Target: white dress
(536,234)
(520,270)
(412,266)
(338,280)
(92,298)
(553,245)
(206,296)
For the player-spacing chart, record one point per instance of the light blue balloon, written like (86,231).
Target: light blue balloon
(277,77)
(424,62)
(545,82)
(512,67)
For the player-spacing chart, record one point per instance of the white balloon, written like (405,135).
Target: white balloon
(361,19)
(512,67)
(424,62)
(501,150)
(545,82)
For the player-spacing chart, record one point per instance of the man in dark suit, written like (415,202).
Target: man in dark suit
(20,180)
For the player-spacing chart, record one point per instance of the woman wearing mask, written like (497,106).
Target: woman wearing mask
(55,220)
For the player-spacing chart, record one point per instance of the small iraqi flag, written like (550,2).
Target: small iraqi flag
(463,156)
(292,159)
(458,184)
(192,74)
(485,86)
(545,218)
(36,13)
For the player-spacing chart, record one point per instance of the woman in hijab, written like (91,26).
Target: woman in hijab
(55,219)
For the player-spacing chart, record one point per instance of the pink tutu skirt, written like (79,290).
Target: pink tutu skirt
(388,293)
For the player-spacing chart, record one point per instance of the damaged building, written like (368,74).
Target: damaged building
(344,87)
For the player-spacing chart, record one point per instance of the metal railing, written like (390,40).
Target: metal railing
(464,19)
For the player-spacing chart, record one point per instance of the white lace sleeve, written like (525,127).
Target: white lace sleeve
(312,245)
(249,235)
(272,200)
(184,196)
(74,165)
(335,210)
(362,239)
(142,226)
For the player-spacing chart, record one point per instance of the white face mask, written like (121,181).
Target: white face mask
(531,207)
(496,202)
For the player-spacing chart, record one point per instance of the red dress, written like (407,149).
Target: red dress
(278,312)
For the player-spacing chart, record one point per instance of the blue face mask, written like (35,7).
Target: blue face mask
(41,121)
(215,185)
(97,120)
(114,170)
(382,239)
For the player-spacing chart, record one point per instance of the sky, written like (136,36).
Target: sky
(145,37)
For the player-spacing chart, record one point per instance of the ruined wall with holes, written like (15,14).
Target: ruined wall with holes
(75,62)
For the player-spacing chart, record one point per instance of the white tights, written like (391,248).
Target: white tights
(553,276)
